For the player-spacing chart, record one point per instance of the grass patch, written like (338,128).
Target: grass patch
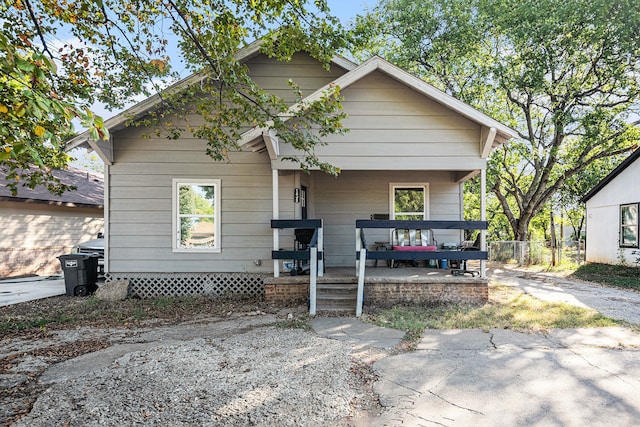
(508,308)
(610,275)
(61,312)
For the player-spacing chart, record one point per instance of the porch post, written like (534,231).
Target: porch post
(276,215)
(321,249)
(360,295)
(483,217)
(313,279)
(358,248)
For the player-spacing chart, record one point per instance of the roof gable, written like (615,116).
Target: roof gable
(149,104)
(614,173)
(496,134)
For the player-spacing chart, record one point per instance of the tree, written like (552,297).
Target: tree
(565,75)
(577,186)
(59,57)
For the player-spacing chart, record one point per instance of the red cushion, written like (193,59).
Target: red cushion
(415,248)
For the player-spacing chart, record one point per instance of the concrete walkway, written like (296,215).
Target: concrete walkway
(576,378)
(13,291)
(566,377)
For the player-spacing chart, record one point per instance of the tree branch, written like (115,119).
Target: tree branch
(38,29)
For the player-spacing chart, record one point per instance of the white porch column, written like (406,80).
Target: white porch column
(276,215)
(321,249)
(313,279)
(483,217)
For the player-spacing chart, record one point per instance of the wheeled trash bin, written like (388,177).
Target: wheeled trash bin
(80,273)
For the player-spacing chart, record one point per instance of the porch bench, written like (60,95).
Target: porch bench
(414,248)
(410,252)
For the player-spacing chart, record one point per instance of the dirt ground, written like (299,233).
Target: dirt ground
(78,326)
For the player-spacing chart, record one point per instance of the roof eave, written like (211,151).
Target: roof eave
(614,173)
(119,121)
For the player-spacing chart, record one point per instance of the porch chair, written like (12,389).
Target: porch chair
(302,240)
(460,266)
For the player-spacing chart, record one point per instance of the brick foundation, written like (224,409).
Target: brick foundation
(286,293)
(387,294)
(386,291)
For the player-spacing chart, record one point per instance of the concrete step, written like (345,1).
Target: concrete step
(336,297)
(343,289)
(336,310)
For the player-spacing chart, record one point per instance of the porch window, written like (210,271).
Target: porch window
(409,201)
(196,215)
(629,225)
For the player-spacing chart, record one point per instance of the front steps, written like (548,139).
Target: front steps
(336,297)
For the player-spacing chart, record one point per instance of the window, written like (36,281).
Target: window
(196,215)
(629,225)
(409,201)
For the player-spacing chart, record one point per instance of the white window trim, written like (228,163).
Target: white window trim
(175,224)
(636,225)
(392,192)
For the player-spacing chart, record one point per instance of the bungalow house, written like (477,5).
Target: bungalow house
(406,139)
(38,226)
(612,215)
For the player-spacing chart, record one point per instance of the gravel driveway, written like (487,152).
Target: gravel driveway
(217,372)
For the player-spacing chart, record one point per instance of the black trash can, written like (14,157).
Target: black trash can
(80,273)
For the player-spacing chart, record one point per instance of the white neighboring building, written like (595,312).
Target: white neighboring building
(612,215)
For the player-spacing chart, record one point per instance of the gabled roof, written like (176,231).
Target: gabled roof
(614,173)
(119,121)
(89,190)
(497,133)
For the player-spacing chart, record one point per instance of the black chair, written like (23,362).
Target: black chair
(462,264)
(303,238)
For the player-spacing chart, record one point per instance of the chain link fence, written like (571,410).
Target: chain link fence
(535,252)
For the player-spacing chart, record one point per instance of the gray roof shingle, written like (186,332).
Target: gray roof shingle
(89,189)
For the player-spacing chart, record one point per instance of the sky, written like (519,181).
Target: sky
(347,9)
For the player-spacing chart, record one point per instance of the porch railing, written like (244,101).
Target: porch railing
(363,254)
(313,253)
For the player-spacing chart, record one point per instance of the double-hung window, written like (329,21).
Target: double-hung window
(196,215)
(409,201)
(629,225)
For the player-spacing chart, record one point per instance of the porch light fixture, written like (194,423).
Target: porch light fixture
(296,195)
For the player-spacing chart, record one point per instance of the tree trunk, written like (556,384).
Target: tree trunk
(553,241)
(521,229)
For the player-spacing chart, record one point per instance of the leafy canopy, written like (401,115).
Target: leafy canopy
(564,74)
(60,57)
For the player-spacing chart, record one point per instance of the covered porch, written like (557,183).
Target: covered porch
(436,274)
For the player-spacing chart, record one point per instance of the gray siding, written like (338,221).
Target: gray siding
(393,127)
(305,71)
(140,214)
(396,136)
(140,189)
(357,195)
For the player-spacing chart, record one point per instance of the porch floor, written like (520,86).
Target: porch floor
(383,275)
